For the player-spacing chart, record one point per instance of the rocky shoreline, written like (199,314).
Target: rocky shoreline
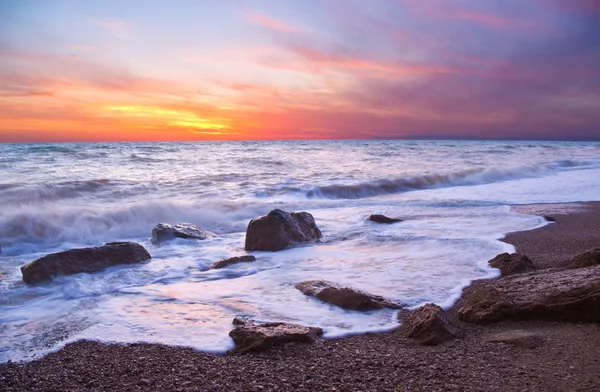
(542,355)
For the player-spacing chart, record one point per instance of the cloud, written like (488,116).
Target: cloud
(270,23)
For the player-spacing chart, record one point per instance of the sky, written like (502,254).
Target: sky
(114,70)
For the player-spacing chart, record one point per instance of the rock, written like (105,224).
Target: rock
(510,264)
(563,295)
(232,260)
(74,261)
(586,259)
(429,325)
(279,229)
(345,297)
(165,232)
(516,337)
(383,219)
(549,218)
(251,337)
(1,277)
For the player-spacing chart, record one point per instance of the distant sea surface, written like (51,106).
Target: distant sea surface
(453,196)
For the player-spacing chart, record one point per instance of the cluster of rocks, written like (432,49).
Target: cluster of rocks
(522,293)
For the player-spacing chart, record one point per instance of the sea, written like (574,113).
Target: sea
(453,197)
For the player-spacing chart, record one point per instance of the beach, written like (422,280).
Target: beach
(567,359)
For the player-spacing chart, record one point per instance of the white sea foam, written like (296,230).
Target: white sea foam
(453,197)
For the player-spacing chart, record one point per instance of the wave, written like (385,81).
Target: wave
(26,194)
(430,181)
(51,148)
(30,228)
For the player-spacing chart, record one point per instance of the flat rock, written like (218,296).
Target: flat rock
(165,232)
(561,295)
(586,259)
(510,264)
(383,219)
(345,297)
(429,325)
(232,260)
(252,337)
(74,261)
(516,337)
(279,229)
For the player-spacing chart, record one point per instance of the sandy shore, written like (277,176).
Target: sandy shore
(568,359)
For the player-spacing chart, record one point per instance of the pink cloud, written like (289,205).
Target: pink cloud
(271,23)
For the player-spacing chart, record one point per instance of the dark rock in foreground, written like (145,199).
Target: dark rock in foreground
(565,295)
(165,232)
(345,297)
(279,229)
(586,259)
(516,337)
(232,260)
(74,261)
(429,325)
(251,337)
(510,264)
(383,219)
(549,218)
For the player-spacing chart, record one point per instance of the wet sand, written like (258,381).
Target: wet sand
(567,360)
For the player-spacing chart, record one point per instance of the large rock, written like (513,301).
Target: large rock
(165,232)
(567,295)
(279,229)
(74,261)
(383,219)
(510,264)
(586,259)
(232,260)
(251,337)
(429,325)
(345,297)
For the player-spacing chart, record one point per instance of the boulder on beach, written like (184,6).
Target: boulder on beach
(429,325)
(279,229)
(74,261)
(563,295)
(510,264)
(232,260)
(248,336)
(383,219)
(585,259)
(165,232)
(345,297)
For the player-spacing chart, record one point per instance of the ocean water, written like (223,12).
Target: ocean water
(454,198)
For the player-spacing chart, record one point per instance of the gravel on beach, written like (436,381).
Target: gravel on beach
(568,358)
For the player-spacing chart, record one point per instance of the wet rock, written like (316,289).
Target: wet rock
(74,261)
(549,218)
(165,232)
(279,229)
(252,337)
(516,337)
(232,260)
(429,325)
(563,295)
(510,264)
(586,259)
(383,219)
(345,297)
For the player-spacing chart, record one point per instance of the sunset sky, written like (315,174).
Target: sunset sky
(299,69)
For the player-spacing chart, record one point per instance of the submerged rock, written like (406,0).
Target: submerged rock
(564,295)
(232,260)
(586,259)
(549,218)
(383,219)
(74,261)
(510,264)
(429,325)
(345,297)
(279,229)
(165,232)
(248,336)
